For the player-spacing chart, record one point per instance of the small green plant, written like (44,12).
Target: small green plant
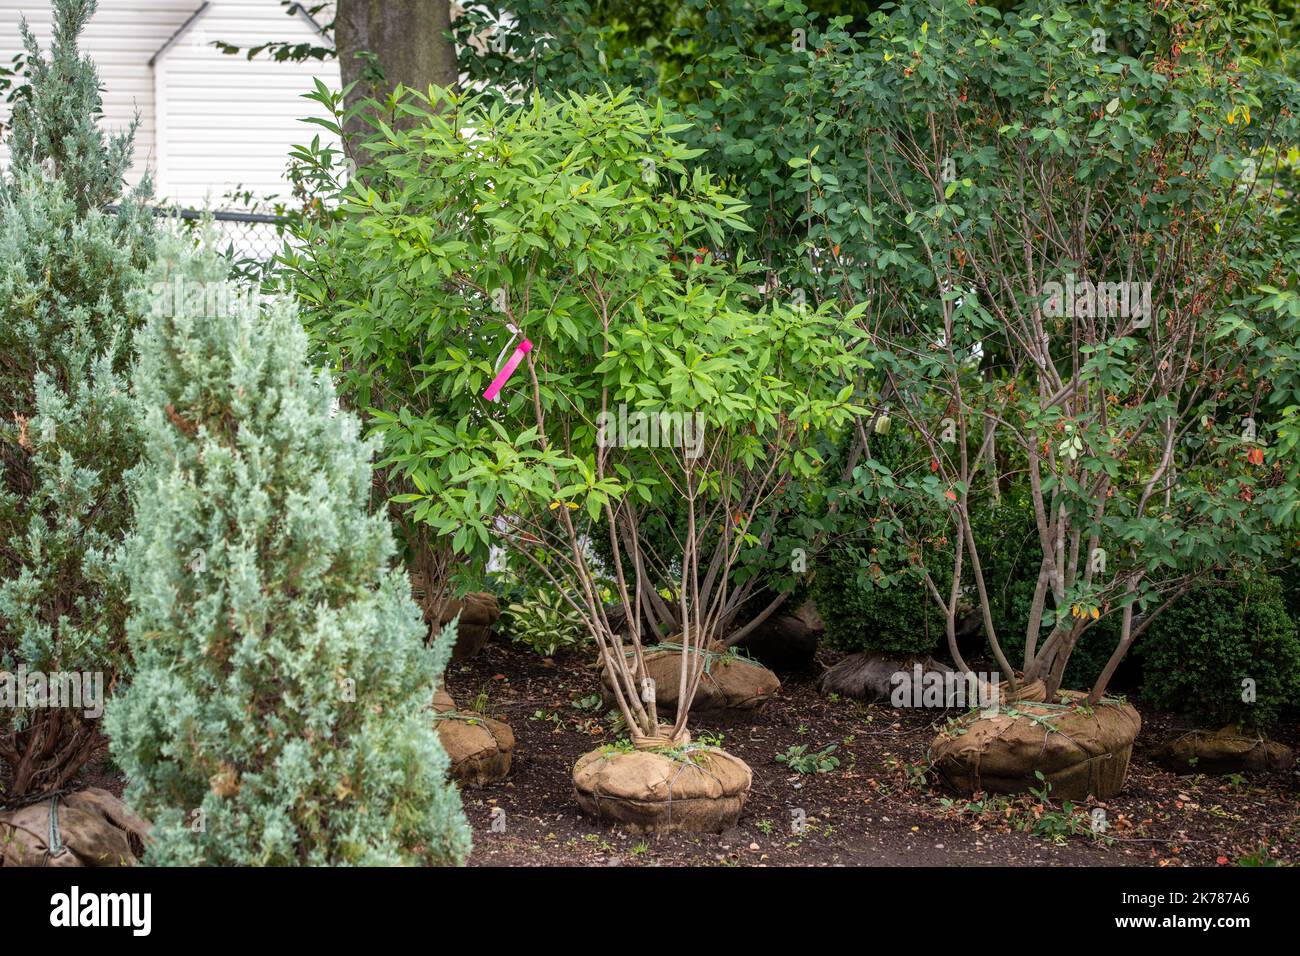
(694,751)
(617,723)
(798,759)
(640,849)
(546,622)
(915,774)
(590,702)
(765,827)
(1034,814)
(1258,857)
(1050,822)
(620,746)
(983,806)
(482,700)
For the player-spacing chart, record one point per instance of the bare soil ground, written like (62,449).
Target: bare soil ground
(875,808)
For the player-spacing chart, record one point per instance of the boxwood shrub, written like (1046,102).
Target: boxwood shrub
(860,615)
(1199,654)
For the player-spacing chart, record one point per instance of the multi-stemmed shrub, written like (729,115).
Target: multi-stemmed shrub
(1021,155)
(67,432)
(576,225)
(279,710)
(945,162)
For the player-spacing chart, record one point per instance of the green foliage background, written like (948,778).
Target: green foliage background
(1201,650)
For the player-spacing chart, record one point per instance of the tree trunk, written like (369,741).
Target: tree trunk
(407,39)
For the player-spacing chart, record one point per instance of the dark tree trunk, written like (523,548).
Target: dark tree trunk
(407,37)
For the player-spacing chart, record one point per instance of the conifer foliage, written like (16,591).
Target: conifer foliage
(67,272)
(280,708)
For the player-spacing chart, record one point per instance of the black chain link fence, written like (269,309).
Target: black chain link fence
(254,236)
(250,239)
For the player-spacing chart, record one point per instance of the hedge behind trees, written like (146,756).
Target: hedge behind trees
(1198,655)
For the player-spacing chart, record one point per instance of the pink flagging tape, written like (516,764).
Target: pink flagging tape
(507,370)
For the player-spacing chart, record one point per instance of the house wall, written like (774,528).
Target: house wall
(225,122)
(209,122)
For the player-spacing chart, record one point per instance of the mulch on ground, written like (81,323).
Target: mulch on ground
(873,809)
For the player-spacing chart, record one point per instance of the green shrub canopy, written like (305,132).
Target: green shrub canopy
(67,427)
(1227,653)
(1064,228)
(280,708)
(577,225)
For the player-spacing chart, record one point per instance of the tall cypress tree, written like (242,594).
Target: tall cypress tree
(67,271)
(279,711)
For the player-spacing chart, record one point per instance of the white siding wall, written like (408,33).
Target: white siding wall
(225,122)
(209,122)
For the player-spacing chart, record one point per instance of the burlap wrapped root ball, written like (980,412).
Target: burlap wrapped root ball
(697,788)
(871,677)
(1228,750)
(786,642)
(88,828)
(478,611)
(480,748)
(904,682)
(1080,751)
(730,685)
